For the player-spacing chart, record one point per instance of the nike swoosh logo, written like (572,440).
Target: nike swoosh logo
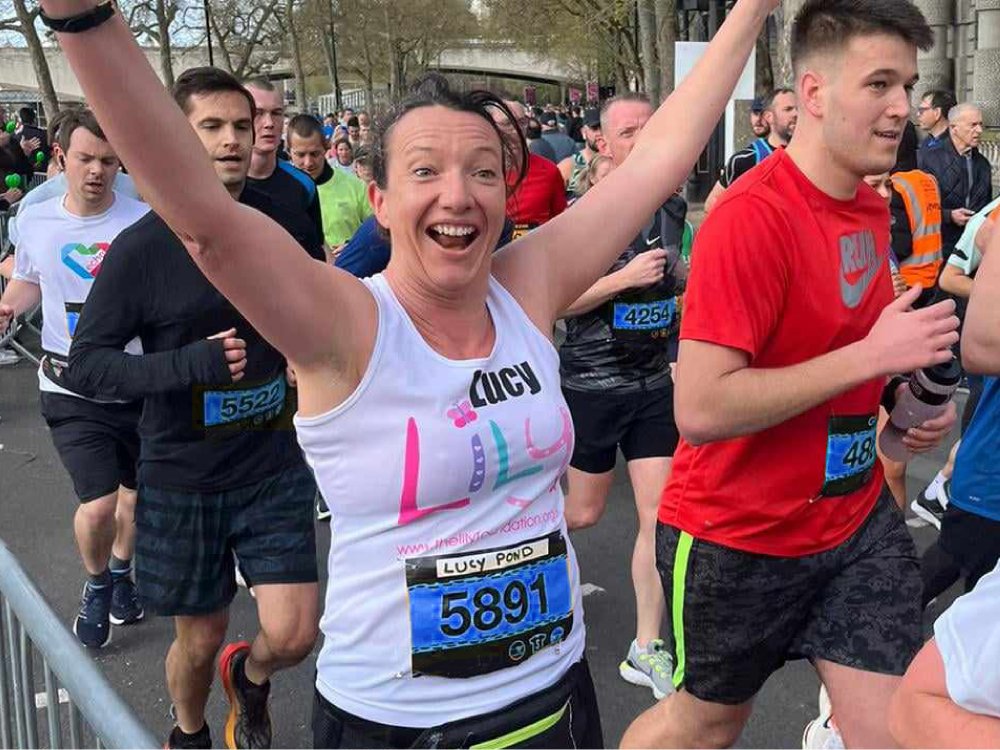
(850,293)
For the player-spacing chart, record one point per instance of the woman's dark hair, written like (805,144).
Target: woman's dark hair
(433,90)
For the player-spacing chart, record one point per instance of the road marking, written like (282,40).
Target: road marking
(589,588)
(42,699)
(916,522)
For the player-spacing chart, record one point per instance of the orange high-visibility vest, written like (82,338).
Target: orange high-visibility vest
(922,199)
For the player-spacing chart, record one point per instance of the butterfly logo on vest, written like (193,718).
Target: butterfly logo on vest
(462,414)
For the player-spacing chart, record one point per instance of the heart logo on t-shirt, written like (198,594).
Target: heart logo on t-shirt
(83,260)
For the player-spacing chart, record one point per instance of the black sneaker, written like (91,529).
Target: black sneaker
(125,606)
(248,724)
(92,625)
(200,739)
(931,510)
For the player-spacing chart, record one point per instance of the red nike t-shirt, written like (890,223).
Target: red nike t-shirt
(785,273)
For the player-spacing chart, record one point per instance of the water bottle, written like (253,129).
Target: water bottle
(925,397)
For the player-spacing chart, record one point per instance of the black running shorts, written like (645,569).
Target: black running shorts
(642,423)
(185,541)
(738,617)
(97,443)
(564,715)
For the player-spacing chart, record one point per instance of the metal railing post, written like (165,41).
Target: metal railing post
(52,709)
(30,622)
(28,691)
(5,734)
(13,628)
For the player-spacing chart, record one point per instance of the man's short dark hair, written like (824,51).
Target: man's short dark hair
(352,122)
(825,25)
(27,115)
(941,99)
(73,118)
(305,126)
(260,83)
(207,80)
(768,101)
(629,96)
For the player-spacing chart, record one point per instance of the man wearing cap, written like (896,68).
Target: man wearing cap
(758,124)
(574,168)
(780,115)
(561,143)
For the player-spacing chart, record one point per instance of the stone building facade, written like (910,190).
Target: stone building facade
(966,56)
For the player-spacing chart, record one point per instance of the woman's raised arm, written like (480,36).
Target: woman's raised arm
(291,299)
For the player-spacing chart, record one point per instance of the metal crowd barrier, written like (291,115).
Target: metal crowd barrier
(30,319)
(95,716)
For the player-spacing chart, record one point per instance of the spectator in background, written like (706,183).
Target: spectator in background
(963,174)
(354,132)
(541,195)
(363,165)
(932,116)
(758,123)
(574,169)
(343,198)
(533,134)
(562,145)
(341,155)
(34,140)
(13,161)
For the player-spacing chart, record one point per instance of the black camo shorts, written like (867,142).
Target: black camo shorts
(738,617)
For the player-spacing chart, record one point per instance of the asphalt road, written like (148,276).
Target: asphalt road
(36,510)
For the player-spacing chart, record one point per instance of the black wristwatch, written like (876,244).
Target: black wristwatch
(89,19)
(889,393)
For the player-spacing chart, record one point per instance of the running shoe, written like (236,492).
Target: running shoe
(932,509)
(9,357)
(821,734)
(248,724)
(200,739)
(650,667)
(322,511)
(92,625)
(125,606)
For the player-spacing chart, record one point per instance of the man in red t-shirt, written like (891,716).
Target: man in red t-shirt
(776,539)
(542,194)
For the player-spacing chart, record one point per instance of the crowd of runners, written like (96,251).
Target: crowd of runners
(353,318)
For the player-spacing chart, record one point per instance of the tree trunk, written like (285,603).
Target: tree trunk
(163,28)
(26,19)
(300,74)
(395,90)
(647,45)
(786,17)
(666,37)
(764,75)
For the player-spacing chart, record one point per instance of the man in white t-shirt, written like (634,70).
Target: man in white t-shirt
(950,696)
(60,251)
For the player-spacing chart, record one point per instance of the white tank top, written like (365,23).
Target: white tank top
(453,588)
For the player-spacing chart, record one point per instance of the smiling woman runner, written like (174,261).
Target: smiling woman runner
(429,399)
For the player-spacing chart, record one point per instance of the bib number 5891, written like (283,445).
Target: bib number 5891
(490,606)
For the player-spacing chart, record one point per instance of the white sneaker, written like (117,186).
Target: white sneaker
(650,667)
(820,733)
(9,357)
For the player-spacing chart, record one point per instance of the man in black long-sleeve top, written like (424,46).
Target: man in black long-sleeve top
(220,470)
(962,173)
